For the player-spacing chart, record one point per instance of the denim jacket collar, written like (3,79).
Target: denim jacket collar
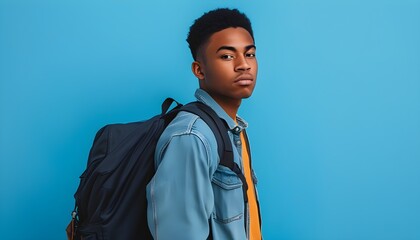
(205,98)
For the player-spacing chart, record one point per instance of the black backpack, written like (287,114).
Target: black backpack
(111,198)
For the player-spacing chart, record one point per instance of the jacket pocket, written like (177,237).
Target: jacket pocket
(228,196)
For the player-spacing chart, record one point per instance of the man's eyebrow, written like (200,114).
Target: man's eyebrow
(252,46)
(233,49)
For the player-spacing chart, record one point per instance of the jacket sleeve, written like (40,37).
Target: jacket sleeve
(180,195)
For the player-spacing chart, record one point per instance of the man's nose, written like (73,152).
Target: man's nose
(242,64)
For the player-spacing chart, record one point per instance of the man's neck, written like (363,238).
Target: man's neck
(230,106)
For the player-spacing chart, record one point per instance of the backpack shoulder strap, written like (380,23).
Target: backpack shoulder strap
(219,128)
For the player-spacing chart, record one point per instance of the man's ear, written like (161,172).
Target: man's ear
(197,71)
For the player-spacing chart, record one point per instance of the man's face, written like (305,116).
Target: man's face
(228,65)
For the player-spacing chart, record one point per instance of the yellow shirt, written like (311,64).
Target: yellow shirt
(254,230)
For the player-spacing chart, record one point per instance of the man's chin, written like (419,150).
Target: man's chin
(247,94)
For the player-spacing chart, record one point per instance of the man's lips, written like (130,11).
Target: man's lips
(244,79)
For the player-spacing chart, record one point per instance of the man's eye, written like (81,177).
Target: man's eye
(227,57)
(250,55)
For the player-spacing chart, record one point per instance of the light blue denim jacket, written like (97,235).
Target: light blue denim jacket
(189,190)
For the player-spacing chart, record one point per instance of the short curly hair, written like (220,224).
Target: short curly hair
(215,21)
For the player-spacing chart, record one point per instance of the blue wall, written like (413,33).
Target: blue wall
(334,121)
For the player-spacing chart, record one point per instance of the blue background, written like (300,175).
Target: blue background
(334,120)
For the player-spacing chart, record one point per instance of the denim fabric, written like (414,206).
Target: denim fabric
(189,190)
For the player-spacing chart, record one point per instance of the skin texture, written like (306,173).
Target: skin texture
(227,67)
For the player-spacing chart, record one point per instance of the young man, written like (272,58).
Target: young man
(191,196)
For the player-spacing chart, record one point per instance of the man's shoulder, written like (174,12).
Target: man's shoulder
(186,123)
(187,130)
